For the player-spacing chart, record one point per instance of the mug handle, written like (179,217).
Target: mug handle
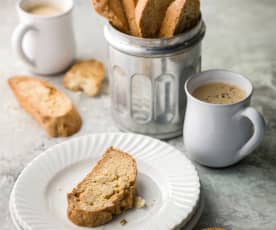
(259,128)
(17,41)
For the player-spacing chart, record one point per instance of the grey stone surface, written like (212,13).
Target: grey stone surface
(241,36)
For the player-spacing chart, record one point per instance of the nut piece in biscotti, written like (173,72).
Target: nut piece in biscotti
(49,106)
(108,190)
(86,76)
(180,16)
(129,7)
(149,15)
(114,12)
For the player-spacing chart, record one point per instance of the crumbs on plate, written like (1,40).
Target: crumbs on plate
(123,222)
(140,202)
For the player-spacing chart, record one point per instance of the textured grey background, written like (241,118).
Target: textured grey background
(241,36)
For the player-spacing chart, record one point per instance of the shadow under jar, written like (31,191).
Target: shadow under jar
(147,79)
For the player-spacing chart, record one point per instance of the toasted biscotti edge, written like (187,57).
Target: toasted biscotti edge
(114,12)
(129,8)
(180,16)
(191,16)
(101,216)
(61,126)
(149,15)
(81,217)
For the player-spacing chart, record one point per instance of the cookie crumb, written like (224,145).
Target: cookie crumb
(140,202)
(123,222)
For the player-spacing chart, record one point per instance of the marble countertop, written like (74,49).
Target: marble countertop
(241,36)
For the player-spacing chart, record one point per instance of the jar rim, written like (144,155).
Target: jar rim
(153,46)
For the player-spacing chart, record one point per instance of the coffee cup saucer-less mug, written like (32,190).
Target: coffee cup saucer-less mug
(220,135)
(45,43)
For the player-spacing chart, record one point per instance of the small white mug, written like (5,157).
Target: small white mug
(219,135)
(46,44)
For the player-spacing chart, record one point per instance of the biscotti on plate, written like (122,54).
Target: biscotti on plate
(49,106)
(107,190)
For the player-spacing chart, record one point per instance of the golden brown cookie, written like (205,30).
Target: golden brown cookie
(149,15)
(180,16)
(85,76)
(113,11)
(49,106)
(108,190)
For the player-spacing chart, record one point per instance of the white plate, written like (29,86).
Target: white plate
(166,179)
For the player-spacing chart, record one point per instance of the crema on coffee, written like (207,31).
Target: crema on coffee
(219,93)
(44,9)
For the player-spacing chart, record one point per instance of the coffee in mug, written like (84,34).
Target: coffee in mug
(219,93)
(44,9)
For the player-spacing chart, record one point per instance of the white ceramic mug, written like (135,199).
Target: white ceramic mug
(219,135)
(45,44)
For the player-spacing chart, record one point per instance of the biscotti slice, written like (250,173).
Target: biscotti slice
(49,106)
(113,11)
(129,7)
(86,76)
(149,15)
(180,16)
(107,190)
